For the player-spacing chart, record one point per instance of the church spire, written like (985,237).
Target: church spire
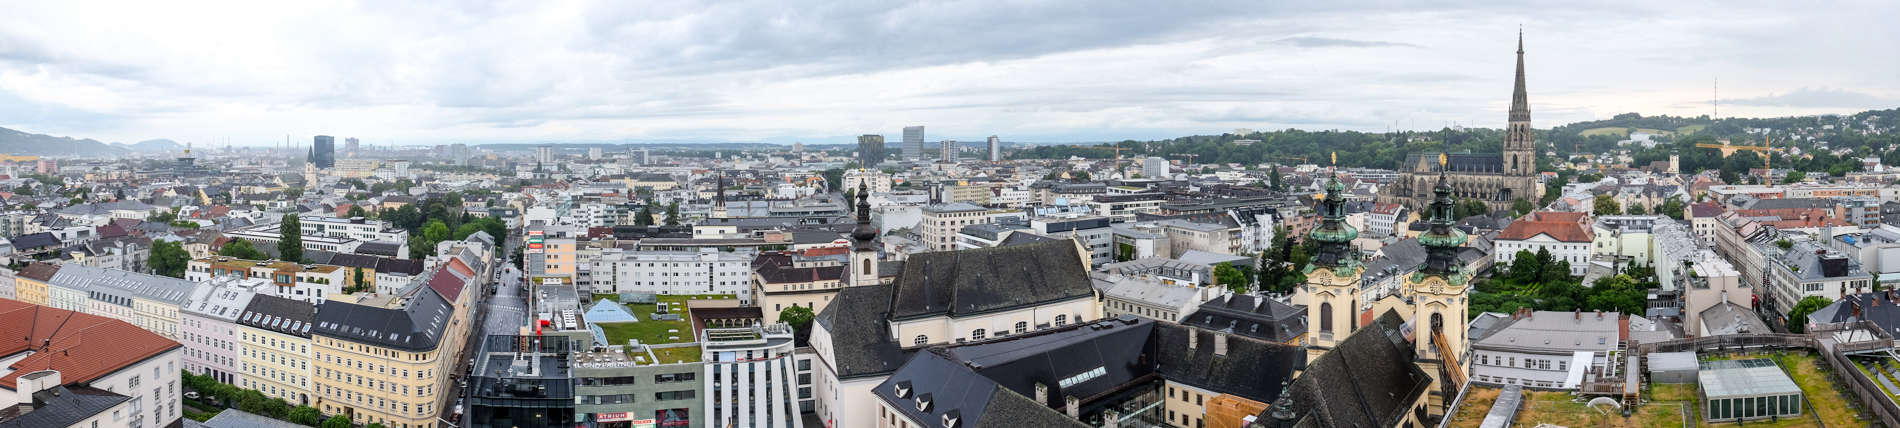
(1520,102)
(1441,239)
(1333,234)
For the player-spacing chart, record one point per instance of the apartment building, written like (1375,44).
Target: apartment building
(357,228)
(207,325)
(388,360)
(309,283)
(750,377)
(122,362)
(1091,232)
(941,223)
(150,302)
(274,348)
(778,283)
(674,272)
(1567,236)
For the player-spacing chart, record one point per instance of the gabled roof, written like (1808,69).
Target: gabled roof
(967,282)
(36,240)
(856,321)
(82,347)
(1562,226)
(415,327)
(41,272)
(1250,316)
(1368,380)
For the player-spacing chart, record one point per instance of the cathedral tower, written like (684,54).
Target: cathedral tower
(864,243)
(1520,146)
(1438,293)
(1331,292)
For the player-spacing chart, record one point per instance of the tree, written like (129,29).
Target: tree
(240,248)
(1471,207)
(1124,252)
(1227,276)
(673,213)
(834,178)
(1798,317)
(169,258)
(1672,208)
(800,318)
(1520,207)
(1606,205)
(337,421)
(1796,176)
(358,281)
(305,415)
(644,217)
(290,239)
(1079,175)
(1274,181)
(357,211)
(1619,293)
(1635,209)
(517,258)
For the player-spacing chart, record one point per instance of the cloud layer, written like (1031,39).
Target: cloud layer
(396,73)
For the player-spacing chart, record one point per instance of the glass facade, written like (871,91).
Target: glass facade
(1728,409)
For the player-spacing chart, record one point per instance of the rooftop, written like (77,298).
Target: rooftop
(81,347)
(1744,378)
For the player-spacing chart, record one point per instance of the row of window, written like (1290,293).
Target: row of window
(979,334)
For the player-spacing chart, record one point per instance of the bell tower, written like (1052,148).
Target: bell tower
(863,243)
(1331,292)
(1520,145)
(1439,292)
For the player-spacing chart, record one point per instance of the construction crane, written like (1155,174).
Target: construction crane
(1117,148)
(1766,150)
(1190,159)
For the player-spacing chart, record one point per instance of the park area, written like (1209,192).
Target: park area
(1670,405)
(650,331)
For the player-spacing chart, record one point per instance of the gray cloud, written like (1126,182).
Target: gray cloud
(1819,97)
(1328,42)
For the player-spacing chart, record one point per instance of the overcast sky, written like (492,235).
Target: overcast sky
(823,71)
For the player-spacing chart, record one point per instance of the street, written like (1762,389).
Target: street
(503,313)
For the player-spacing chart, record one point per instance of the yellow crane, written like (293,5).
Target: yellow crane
(1117,148)
(1765,149)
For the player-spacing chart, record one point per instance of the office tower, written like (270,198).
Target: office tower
(870,150)
(914,142)
(323,152)
(949,151)
(350,146)
(996,149)
(545,156)
(639,156)
(1154,167)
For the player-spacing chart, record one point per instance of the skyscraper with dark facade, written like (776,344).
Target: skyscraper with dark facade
(914,143)
(323,152)
(870,150)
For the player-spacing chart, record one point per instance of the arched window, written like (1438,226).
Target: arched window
(976,335)
(920,341)
(867,267)
(1022,326)
(1062,320)
(1326,317)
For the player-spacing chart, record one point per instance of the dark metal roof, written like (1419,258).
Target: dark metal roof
(279,315)
(61,406)
(855,319)
(417,326)
(1250,316)
(1369,379)
(989,279)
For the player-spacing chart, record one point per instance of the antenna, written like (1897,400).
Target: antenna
(1715,99)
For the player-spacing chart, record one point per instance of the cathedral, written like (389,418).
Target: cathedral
(1498,179)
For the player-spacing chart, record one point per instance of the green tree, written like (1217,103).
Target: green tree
(1798,316)
(834,178)
(337,421)
(357,211)
(1227,276)
(1471,207)
(800,319)
(358,281)
(290,239)
(673,213)
(1520,207)
(1672,208)
(169,258)
(164,216)
(1124,252)
(1635,209)
(1606,205)
(644,217)
(1079,175)
(1274,181)
(242,249)
(305,415)
(1796,176)
(1618,293)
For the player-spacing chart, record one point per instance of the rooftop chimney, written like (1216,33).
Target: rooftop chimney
(1220,344)
(1042,393)
(1073,406)
(1111,419)
(1194,338)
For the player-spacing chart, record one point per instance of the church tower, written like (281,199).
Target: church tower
(863,243)
(1331,292)
(1438,292)
(719,195)
(1520,146)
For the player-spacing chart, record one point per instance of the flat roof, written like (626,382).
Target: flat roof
(1744,378)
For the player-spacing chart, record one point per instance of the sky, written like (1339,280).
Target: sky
(256,73)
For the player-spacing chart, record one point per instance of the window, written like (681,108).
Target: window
(1326,317)
(920,340)
(976,335)
(1062,320)
(1022,326)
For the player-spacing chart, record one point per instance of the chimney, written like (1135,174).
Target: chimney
(1578,314)
(1194,338)
(1042,393)
(1073,406)
(1599,315)
(1220,344)
(1111,419)
(28,384)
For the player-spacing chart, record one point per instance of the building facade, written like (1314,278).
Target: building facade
(1496,179)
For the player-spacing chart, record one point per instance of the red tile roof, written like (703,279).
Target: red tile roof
(81,347)
(1562,226)
(451,279)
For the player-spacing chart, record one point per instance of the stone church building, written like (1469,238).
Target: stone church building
(1498,179)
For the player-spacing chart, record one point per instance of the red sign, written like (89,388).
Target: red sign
(612,417)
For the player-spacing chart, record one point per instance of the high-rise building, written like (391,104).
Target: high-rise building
(350,146)
(323,152)
(545,156)
(1154,167)
(638,156)
(914,142)
(459,153)
(996,149)
(870,150)
(949,151)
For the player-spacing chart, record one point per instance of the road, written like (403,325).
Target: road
(502,313)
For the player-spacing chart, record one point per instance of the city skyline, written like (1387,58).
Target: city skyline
(531,73)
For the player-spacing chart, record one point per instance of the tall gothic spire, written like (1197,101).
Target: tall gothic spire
(1520,102)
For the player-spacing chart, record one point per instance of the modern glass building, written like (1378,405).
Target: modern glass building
(1738,390)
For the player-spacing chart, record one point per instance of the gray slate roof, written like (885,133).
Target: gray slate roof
(957,283)
(61,406)
(1368,380)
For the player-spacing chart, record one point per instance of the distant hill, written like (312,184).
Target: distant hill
(22,143)
(152,146)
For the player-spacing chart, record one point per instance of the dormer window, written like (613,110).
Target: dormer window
(902,389)
(923,403)
(951,418)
